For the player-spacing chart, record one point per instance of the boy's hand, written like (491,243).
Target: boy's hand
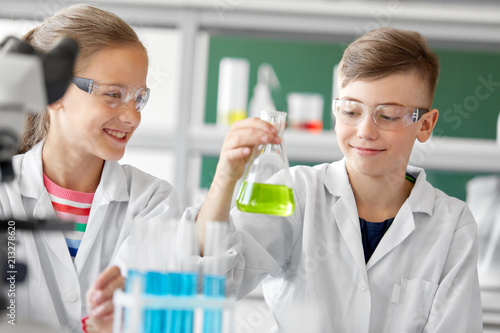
(238,145)
(236,151)
(100,299)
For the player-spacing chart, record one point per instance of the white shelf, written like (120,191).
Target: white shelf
(464,23)
(491,307)
(441,153)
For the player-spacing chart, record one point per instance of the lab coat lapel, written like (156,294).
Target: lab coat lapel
(55,241)
(112,187)
(32,188)
(348,222)
(402,226)
(421,200)
(346,213)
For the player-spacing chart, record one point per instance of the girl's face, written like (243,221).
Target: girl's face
(374,152)
(88,126)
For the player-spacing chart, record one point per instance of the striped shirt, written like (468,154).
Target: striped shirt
(70,206)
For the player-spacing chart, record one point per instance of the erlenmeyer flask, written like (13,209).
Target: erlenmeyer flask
(267,186)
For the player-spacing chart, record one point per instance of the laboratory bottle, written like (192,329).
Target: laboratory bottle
(267,185)
(305,111)
(232,94)
(262,99)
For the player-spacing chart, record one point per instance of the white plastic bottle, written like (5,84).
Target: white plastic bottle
(233,90)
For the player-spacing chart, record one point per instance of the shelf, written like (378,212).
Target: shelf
(465,23)
(491,307)
(440,153)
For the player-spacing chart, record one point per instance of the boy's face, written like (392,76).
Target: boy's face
(373,152)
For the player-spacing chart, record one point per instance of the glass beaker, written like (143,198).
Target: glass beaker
(267,186)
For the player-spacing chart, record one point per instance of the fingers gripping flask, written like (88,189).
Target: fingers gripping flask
(267,185)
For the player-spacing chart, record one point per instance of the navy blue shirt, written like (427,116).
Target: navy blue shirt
(371,234)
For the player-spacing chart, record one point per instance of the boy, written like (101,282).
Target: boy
(371,246)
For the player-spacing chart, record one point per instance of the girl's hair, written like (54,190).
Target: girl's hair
(386,51)
(94,30)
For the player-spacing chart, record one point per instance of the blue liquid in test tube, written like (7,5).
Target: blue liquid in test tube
(188,289)
(213,286)
(184,285)
(156,284)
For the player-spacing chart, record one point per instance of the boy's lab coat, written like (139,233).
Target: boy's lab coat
(422,277)
(54,291)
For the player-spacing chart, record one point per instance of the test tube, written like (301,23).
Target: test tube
(214,279)
(135,281)
(184,280)
(137,253)
(159,258)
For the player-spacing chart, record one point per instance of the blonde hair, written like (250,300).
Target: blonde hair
(94,30)
(386,51)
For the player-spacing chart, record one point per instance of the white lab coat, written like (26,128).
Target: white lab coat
(54,291)
(422,277)
(483,198)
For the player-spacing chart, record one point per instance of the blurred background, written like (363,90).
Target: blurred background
(215,61)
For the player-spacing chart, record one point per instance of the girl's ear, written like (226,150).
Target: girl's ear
(57,105)
(429,121)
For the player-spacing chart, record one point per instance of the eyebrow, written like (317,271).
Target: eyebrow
(357,100)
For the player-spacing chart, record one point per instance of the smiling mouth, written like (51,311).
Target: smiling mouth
(117,134)
(367,151)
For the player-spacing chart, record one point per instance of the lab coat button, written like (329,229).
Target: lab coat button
(362,286)
(71,297)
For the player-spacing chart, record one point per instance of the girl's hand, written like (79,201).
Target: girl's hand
(100,299)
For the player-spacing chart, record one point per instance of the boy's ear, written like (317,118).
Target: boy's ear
(429,121)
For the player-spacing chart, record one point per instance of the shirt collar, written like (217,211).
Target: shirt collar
(113,183)
(31,172)
(421,198)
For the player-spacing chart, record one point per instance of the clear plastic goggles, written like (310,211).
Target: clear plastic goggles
(386,117)
(116,95)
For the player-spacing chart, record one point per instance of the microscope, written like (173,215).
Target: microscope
(29,81)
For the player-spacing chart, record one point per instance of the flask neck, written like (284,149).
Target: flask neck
(275,118)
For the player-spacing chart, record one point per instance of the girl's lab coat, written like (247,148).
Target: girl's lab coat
(422,277)
(55,287)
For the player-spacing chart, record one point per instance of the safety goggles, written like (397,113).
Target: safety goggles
(386,117)
(116,95)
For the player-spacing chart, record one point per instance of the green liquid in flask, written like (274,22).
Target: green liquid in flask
(266,199)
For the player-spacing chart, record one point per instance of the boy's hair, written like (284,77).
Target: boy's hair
(94,30)
(386,51)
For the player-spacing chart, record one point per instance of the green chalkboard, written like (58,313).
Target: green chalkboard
(467,94)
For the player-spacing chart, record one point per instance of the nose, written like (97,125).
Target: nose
(129,114)
(367,129)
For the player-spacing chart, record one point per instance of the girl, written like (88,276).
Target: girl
(67,167)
